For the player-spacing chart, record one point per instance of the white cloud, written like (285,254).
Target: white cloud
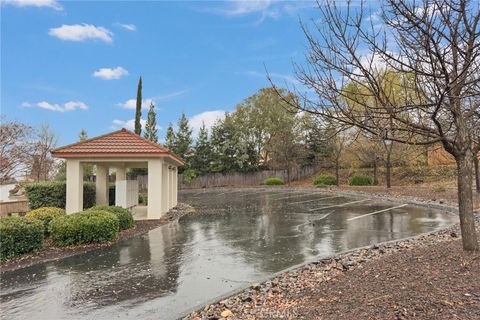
(81,32)
(127,26)
(288,79)
(267,8)
(207,117)
(171,95)
(34,3)
(110,73)
(67,106)
(129,124)
(132,103)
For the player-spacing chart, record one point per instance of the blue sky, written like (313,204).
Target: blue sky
(76,65)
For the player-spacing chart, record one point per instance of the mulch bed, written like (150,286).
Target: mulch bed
(52,253)
(426,277)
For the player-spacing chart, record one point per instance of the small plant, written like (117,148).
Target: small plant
(19,235)
(125,218)
(440,188)
(188,175)
(143,198)
(84,227)
(273,182)
(325,180)
(361,181)
(45,214)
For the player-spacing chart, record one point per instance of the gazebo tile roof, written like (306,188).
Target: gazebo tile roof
(118,143)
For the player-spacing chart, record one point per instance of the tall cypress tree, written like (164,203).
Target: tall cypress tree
(151,126)
(138,110)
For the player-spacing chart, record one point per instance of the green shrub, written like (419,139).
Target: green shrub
(125,218)
(19,235)
(361,181)
(84,227)
(325,180)
(143,198)
(54,194)
(273,181)
(188,175)
(45,214)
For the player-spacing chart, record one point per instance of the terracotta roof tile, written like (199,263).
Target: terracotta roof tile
(118,143)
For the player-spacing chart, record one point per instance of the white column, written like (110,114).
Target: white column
(155,188)
(74,201)
(101,185)
(120,175)
(165,189)
(175,186)
(170,187)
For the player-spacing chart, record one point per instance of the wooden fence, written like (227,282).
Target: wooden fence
(236,178)
(9,207)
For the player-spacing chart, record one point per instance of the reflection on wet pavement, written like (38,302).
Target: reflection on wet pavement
(235,238)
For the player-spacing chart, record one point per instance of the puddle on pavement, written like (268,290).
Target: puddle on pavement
(237,237)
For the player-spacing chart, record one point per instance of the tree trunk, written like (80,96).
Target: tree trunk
(389,172)
(375,175)
(477,174)
(465,202)
(337,172)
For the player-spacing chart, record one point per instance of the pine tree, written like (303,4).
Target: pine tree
(202,157)
(170,138)
(87,168)
(83,135)
(151,126)
(138,110)
(183,138)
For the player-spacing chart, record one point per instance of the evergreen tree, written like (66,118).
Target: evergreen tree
(87,168)
(183,138)
(170,138)
(151,126)
(202,157)
(83,135)
(138,110)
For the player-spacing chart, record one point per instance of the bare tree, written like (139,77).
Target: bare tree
(434,47)
(42,164)
(14,149)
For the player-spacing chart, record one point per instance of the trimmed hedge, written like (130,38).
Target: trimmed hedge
(84,227)
(125,218)
(54,194)
(361,181)
(19,235)
(273,181)
(45,214)
(325,180)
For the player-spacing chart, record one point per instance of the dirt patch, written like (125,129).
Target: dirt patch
(51,252)
(426,277)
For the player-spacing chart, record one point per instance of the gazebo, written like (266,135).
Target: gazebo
(122,149)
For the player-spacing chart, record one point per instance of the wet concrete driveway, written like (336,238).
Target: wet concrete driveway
(236,237)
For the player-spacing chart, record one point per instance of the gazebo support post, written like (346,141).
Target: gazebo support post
(170,187)
(155,185)
(101,185)
(120,175)
(74,201)
(175,186)
(164,194)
